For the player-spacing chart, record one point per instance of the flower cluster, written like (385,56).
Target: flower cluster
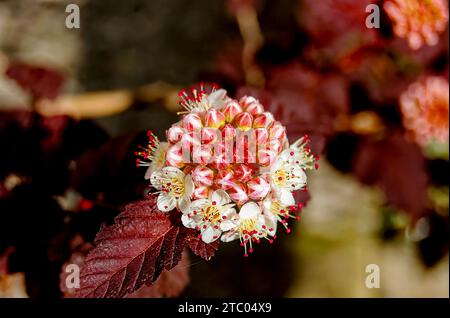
(228,167)
(418,21)
(425,109)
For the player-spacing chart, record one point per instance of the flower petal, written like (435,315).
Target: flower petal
(286,198)
(217,98)
(166,202)
(229,236)
(220,197)
(210,234)
(184,203)
(249,210)
(198,205)
(188,222)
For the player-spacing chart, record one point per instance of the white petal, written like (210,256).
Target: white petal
(249,210)
(271,222)
(299,179)
(210,234)
(198,205)
(286,154)
(220,197)
(217,99)
(156,179)
(188,222)
(149,172)
(228,225)
(184,203)
(229,236)
(166,202)
(286,197)
(172,172)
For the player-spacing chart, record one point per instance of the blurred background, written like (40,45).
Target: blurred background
(76,102)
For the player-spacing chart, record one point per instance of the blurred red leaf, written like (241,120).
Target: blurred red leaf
(41,82)
(200,248)
(169,284)
(134,251)
(398,167)
(304,100)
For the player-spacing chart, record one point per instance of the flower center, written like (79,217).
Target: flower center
(280,176)
(175,187)
(211,214)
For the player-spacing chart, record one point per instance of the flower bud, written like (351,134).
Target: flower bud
(228,132)
(214,118)
(224,179)
(231,110)
(274,145)
(277,131)
(174,156)
(203,175)
(209,135)
(258,188)
(243,121)
(174,134)
(200,192)
(202,154)
(192,122)
(263,120)
(266,157)
(238,193)
(243,173)
(262,136)
(251,105)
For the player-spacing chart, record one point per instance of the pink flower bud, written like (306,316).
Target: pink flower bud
(231,110)
(274,145)
(203,176)
(174,134)
(202,154)
(191,139)
(200,192)
(277,131)
(245,150)
(243,121)
(214,118)
(209,135)
(251,105)
(266,157)
(243,173)
(257,188)
(174,156)
(228,132)
(263,120)
(262,136)
(238,193)
(192,122)
(224,179)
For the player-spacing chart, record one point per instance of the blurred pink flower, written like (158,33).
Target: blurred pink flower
(418,21)
(424,106)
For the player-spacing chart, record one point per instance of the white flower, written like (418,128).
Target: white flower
(175,188)
(299,154)
(210,216)
(275,212)
(286,176)
(250,226)
(217,98)
(158,159)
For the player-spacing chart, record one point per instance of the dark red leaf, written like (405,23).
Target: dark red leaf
(169,284)
(134,251)
(398,167)
(41,82)
(200,248)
